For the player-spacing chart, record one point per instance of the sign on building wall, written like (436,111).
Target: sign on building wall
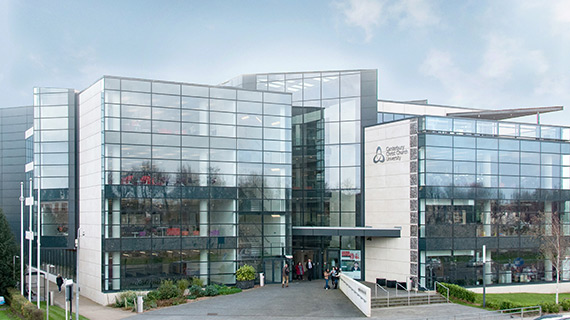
(389,153)
(350,263)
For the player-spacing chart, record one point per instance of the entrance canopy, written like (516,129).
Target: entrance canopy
(347,231)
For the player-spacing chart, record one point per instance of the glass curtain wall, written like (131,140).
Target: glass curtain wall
(54,164)
(481,183)
(197,181)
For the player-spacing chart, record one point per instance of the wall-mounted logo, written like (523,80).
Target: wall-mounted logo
(393,153)
(379,157)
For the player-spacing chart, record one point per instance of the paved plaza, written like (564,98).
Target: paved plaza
(302,300)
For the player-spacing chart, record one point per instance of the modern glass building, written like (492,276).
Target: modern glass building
(166,180)
(455,184)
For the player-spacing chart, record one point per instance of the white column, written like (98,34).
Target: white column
(116,270)
(116,219)
(106,264)
(488,275)
(548,275)
(204,233)
(548,218)
(487,219)
(204,266)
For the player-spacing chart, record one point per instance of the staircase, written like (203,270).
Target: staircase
(405,300)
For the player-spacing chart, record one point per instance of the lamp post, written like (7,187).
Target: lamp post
(22,238)
(38,241)
(48,295)
(30,240)
(80,233)
(484,275)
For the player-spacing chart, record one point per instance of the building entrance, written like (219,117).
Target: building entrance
(272,270)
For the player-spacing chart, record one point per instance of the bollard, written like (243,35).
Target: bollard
(140,304)
(51,298)
(261,279)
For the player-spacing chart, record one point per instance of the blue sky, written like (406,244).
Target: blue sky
(483,54)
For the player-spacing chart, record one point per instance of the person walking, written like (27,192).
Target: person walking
(334,277)
(327,275)
(285,276)
(299,270)
(309,270)
(59,281)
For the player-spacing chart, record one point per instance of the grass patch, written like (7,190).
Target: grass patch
(530,299)
(57,313)
(6,314)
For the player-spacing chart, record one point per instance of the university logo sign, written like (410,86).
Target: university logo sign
(379,157)
(393,153)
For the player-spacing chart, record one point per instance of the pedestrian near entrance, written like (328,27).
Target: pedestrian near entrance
(299,270)
(285,276)
(334,278)
(327,274)
(309,270)
(59,281)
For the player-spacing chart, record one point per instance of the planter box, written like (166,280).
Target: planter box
(245,284)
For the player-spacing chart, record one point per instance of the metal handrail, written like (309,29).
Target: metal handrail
(426,289)
(523,310)
(406,289)
(387,293)
(439,283)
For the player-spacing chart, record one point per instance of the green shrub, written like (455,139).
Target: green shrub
(22,306)
(125,299)
(549,307)
(211,291)
(183,284)
(197,282)
(565,304)
(168,290)
(152,296)
(457,292)
(223,290)
(195,291)
(245,273)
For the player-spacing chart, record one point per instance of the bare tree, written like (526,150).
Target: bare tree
(554,242)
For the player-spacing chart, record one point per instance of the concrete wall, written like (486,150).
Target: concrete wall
(387,200)
(89,149)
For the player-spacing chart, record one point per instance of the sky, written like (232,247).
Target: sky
(479,54)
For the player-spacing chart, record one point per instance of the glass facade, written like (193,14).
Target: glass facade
(54,164)
(484,183)
(197,180)
(329,111)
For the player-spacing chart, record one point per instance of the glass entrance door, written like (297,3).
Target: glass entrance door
(272,270)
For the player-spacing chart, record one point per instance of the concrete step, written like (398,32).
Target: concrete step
(382,302)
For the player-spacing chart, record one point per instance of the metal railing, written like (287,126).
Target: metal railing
(386,291)
(405,289)
(446,288)
(428,292)
(522,311)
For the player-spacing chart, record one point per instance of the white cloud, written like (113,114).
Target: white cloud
(414,13)
(504,55)
(365,14)
(370,14)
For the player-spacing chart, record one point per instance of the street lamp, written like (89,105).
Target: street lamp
(30,237)
(46,289)
(80,233)
(484,275)
(21,238)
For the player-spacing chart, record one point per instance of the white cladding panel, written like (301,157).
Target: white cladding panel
(387,199)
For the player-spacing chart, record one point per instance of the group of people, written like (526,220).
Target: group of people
(333,275)
(300,271)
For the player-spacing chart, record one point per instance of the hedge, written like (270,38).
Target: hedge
(457,292)
(23,307)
